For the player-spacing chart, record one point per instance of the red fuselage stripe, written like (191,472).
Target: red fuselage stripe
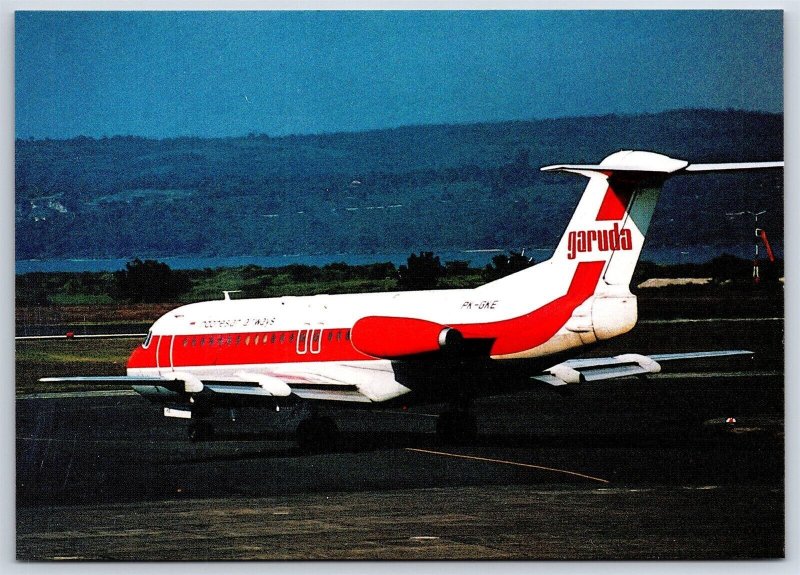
(535,328)
(333,344)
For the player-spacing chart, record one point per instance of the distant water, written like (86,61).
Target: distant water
(476,258)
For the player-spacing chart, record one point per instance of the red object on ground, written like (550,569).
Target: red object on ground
(70,334)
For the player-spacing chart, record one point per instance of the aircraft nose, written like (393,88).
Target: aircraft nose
(141,357)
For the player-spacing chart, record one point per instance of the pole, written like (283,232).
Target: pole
(756,274)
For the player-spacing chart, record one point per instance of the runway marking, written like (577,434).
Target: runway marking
(414,413)
(506,462)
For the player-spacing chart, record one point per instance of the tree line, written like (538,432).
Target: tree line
(151,281)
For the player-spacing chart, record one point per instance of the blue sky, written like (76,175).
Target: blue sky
(163,74)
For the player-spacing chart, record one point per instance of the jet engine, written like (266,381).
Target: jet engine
(399,337)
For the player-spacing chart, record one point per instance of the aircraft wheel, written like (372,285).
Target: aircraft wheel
(457,428)
(200,431)
(317,434)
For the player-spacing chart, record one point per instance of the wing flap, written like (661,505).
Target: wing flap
(616,372)
(344,395)
(132,379)
(627,365)
(238,390)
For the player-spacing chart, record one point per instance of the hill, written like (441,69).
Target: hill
(443,187)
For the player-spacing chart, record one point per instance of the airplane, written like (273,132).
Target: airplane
(439,346)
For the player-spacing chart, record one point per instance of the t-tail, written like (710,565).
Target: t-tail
(595,259)
(614,212)
(612,218)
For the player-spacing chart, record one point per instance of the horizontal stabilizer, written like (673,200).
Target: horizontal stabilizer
(625,161)
(637,162)
(730,167)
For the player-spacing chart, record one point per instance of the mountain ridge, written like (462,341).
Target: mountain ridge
(447,186)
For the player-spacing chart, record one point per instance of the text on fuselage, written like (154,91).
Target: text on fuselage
(238,322)
(483,304)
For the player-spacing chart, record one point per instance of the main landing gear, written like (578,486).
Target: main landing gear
(200,428)
(457,427)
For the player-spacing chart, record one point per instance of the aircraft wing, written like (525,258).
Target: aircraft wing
(345,384)
(631,364)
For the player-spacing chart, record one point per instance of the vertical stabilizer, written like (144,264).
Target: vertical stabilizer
(583,291)
(614,213)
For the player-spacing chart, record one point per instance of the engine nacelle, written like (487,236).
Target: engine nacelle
(398,337)
(613,315)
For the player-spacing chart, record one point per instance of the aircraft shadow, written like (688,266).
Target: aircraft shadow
(261,445)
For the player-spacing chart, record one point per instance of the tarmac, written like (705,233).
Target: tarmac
(627,469)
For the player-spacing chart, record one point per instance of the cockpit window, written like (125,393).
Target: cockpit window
(146,343)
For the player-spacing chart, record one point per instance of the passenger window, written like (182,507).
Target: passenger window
(230,340)
(291,338)
(330,335)
(283,337)
(147,339)
(339,335)
(247,340)
(194,342)
(185,341)
(211,341)
(347,335)
(238,339)
(202,341)
(272,339)
(255,342)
